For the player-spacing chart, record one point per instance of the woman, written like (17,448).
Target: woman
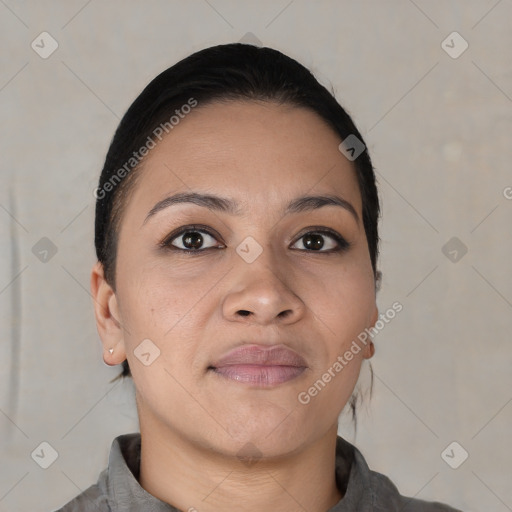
(237,244)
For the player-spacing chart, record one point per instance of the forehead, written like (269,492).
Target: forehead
(256,152)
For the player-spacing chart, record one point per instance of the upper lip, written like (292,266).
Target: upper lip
(275,355)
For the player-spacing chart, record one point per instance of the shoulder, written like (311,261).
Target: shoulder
(387,497)
(93,498)
(368,490)
(90,499)
(113,481)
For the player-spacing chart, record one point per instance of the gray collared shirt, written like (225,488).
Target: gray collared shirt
(118,489)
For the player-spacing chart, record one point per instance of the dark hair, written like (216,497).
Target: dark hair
(225,72)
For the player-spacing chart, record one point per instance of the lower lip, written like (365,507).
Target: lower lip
(259,375)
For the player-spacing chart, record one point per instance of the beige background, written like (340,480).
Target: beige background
(438,129)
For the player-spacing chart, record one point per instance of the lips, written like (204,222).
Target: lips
(259,365)
(277,355)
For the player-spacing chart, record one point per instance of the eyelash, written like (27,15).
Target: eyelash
(343,245)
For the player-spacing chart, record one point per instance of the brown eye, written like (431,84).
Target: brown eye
(314,241)
(191,239)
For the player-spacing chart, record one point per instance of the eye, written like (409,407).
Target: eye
(190,239)
(197,238)
(313,241)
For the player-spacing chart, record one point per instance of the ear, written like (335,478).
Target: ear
(369,349)
(106,311)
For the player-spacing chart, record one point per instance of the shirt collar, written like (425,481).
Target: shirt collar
(120,481)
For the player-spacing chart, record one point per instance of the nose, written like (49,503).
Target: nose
(262,294)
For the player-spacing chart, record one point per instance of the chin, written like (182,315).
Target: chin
(262,439)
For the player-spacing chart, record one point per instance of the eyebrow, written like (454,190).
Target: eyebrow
(225,205)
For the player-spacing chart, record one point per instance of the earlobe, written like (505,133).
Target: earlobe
(114,355)
(108,322)
(369,350)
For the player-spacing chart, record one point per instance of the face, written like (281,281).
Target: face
(200,282)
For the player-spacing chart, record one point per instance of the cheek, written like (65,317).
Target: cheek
(344,300)
(157,294)
(160,310)
(167,306)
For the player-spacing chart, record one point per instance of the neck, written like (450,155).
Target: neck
(191,478)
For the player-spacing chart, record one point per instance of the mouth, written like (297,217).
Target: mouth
(259,365)
(259,375)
